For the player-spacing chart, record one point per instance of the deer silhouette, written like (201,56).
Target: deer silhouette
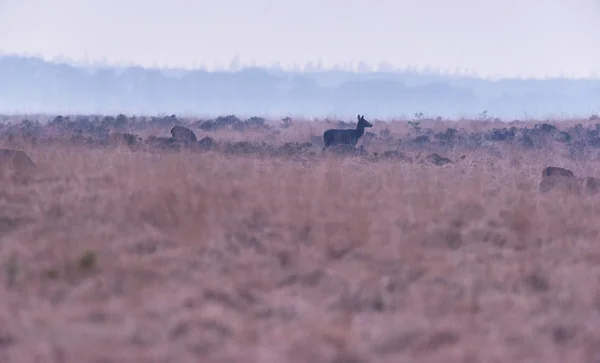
(184,134)
(346,137)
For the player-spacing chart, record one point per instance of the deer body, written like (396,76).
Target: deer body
(346,137)
(184,134)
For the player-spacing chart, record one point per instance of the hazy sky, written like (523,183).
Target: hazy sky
(490,37)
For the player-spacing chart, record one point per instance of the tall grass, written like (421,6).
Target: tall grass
(112,255)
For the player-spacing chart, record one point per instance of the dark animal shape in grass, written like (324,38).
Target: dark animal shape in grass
(14,162)
(183,134)
(557,171)
(561,179)
(206,143)
(15,158)
(557,178)
(346,137)
(437,160)
(590,185)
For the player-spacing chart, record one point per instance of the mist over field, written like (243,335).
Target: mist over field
(31,85)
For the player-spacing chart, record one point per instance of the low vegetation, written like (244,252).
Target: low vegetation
(430,241)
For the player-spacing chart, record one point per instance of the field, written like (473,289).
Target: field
(249,245)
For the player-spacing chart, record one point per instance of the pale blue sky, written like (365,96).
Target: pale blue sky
(491,37)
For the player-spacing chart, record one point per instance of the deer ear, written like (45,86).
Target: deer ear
(358,117)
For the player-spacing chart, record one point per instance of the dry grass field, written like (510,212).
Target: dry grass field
(114,254)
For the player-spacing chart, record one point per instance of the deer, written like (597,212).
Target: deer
(346,137)
(184,134)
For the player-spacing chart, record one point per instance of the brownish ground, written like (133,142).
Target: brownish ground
(119,256)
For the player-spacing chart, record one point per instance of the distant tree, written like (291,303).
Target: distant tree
(235,64)
(363,67)
(319,65)
(309,67)
(384,66)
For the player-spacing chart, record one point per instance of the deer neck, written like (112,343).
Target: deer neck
(360,130)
